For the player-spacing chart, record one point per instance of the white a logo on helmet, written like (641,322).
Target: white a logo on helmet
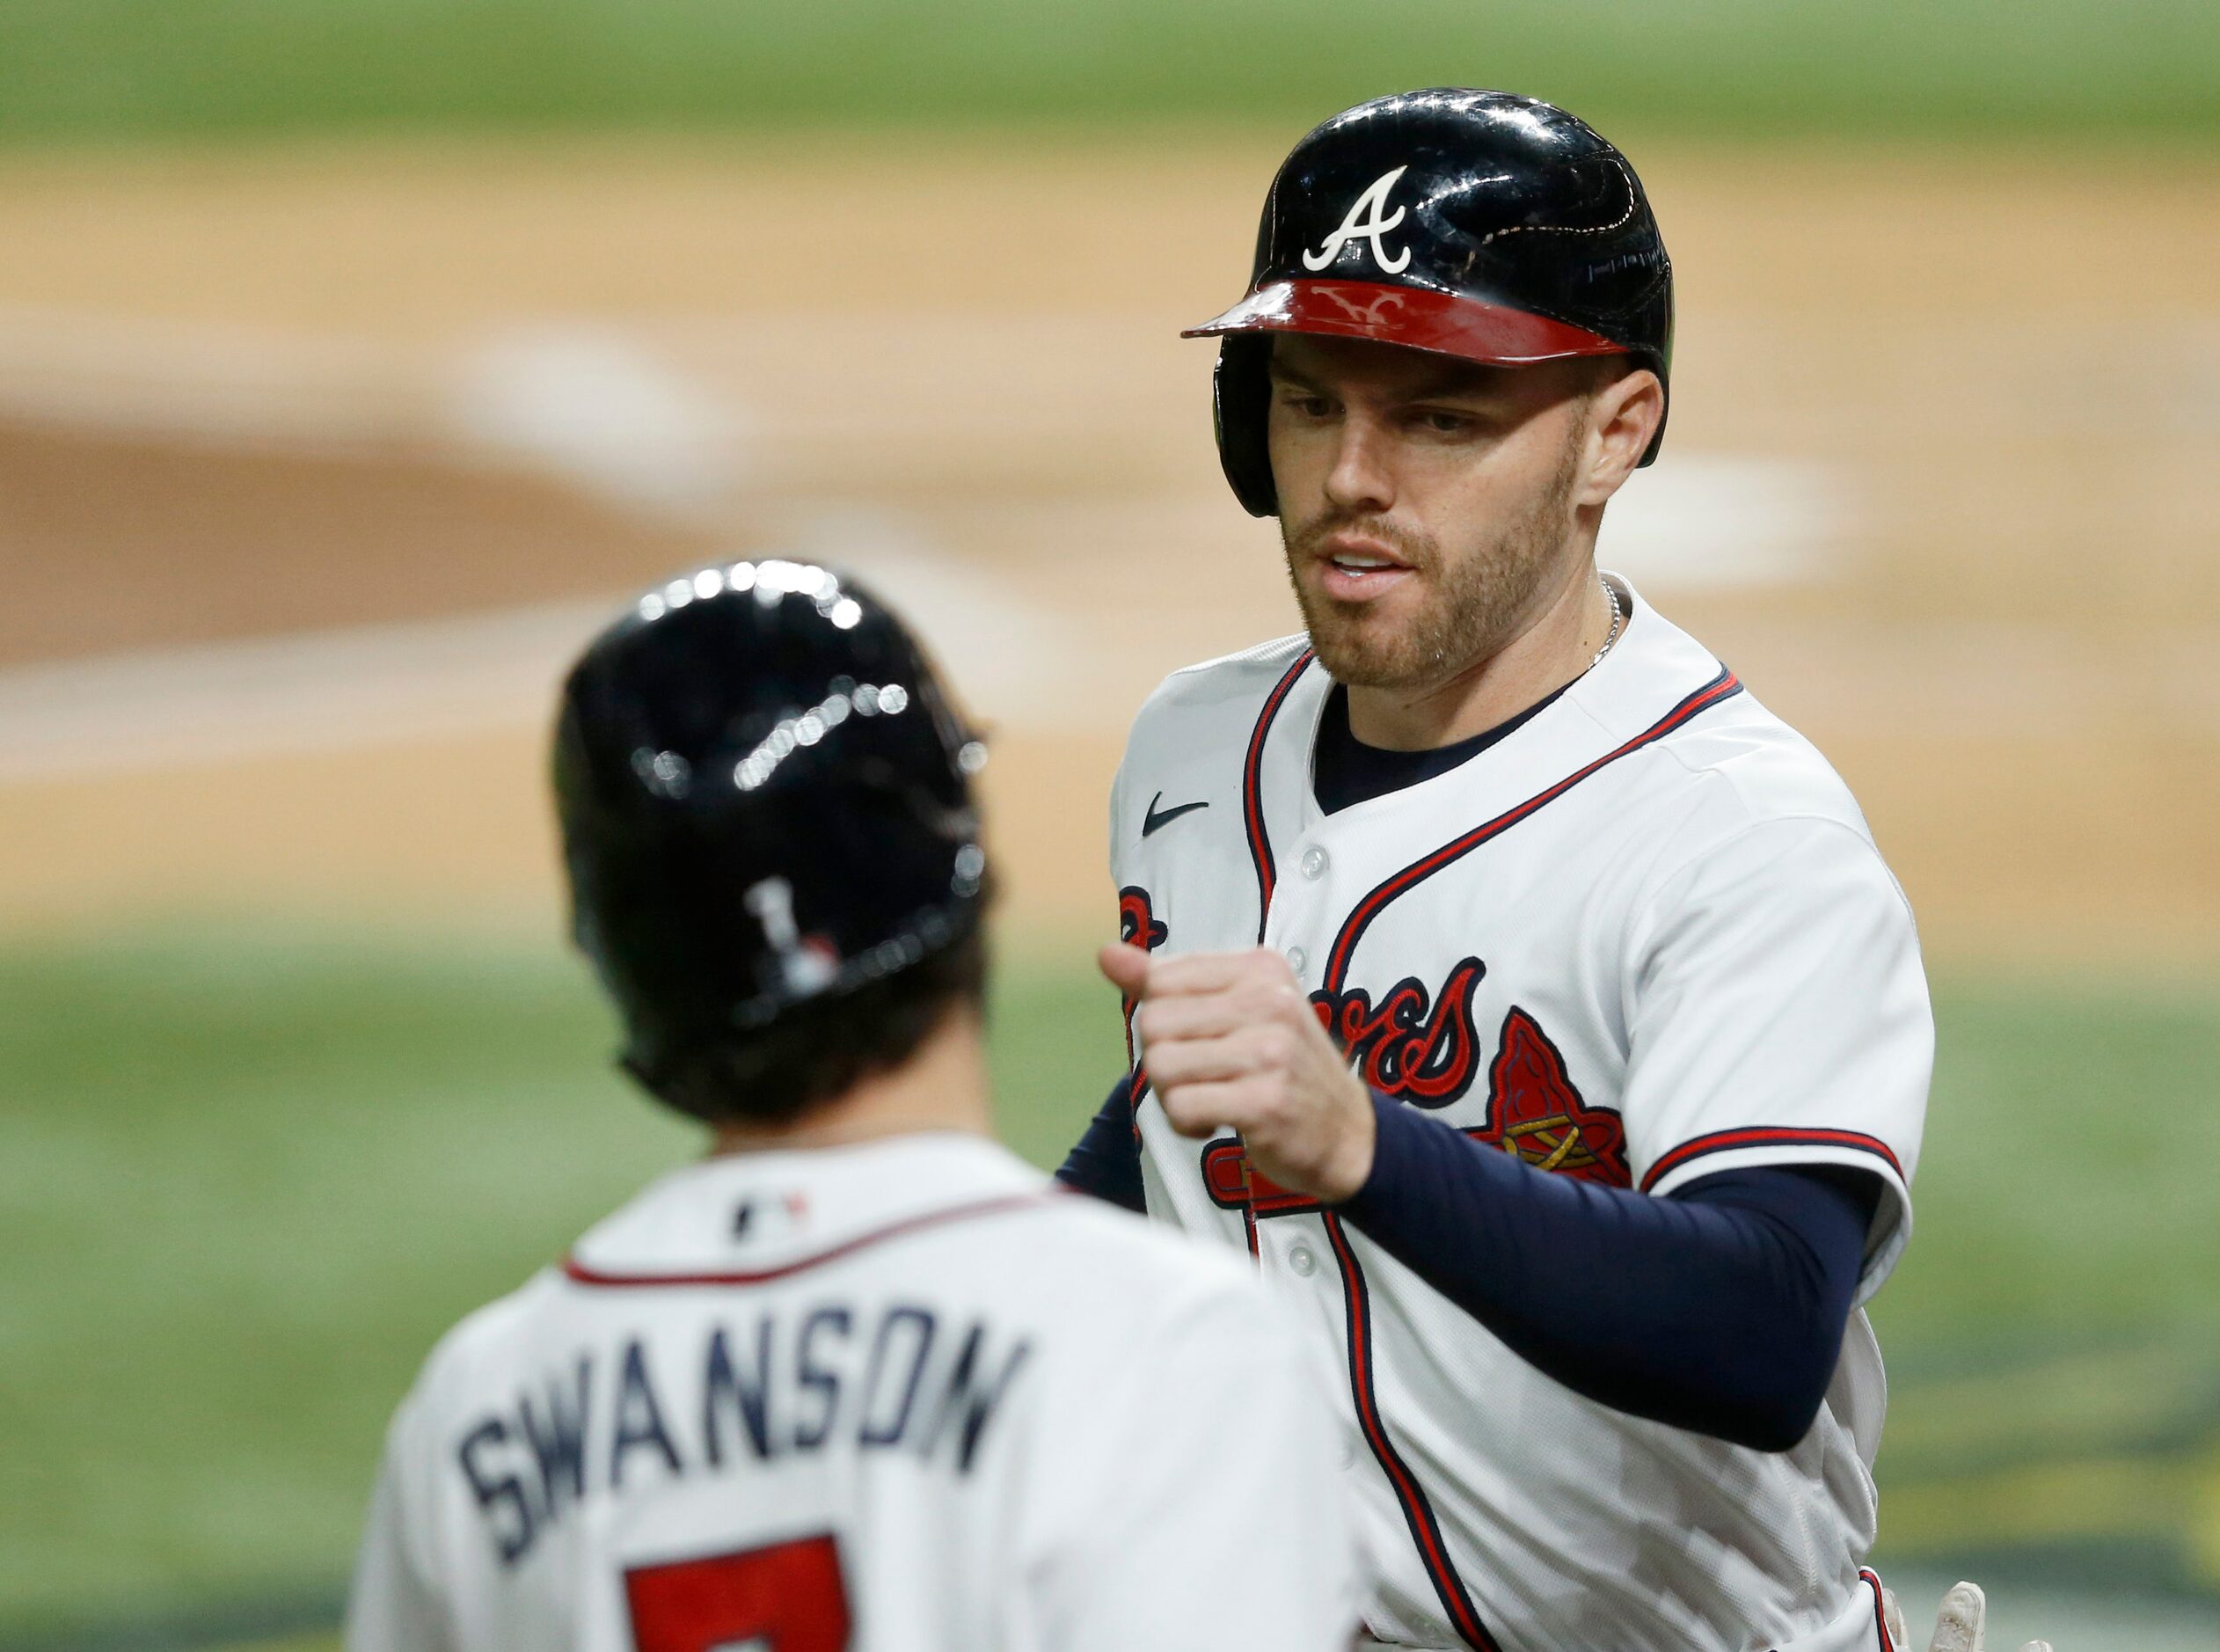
(1373,200)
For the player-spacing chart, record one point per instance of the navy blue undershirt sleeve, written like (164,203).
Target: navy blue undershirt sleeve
(1719,1309)
(1106,1163)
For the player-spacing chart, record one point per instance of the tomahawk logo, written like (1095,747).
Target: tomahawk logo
(1374,201)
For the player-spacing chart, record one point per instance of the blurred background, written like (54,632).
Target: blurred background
(358,357)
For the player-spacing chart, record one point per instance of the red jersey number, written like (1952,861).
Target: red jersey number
(788,1597)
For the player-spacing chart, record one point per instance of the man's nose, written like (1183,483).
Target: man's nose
(1362,479)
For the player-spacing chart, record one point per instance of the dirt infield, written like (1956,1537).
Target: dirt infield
(247,395)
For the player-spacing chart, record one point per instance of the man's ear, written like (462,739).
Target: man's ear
(1623,415)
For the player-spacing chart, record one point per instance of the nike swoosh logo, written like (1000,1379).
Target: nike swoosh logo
(1155,819)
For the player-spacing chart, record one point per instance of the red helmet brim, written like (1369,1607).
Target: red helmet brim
(1416,318)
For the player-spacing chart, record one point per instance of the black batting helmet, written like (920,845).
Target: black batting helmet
(765,801)
(1477,224)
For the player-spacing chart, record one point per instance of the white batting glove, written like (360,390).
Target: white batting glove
(1959,1626)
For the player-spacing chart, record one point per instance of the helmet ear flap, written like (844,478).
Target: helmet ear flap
(1242,398)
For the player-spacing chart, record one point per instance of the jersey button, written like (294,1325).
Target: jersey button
(1297,959)
(1301,1259)
(1315,862)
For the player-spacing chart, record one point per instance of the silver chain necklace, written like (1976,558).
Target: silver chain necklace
(1618,619)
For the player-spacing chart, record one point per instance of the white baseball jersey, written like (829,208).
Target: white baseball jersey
(1644,938)
(899,1395)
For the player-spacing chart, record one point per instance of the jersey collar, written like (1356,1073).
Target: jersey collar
(744,1216)
(1654,667)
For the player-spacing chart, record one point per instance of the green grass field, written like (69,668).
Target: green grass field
(248,1179)
(2061,70)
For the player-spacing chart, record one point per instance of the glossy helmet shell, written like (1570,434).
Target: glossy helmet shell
(1477,224)
(765,800)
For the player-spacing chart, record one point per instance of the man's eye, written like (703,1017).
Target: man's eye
(1306,407)
(1447,424)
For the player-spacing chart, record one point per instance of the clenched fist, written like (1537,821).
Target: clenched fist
(1231,1042)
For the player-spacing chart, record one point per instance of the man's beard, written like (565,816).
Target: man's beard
(1474,607)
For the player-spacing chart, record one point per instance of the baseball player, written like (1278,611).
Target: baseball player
(1525,998)
(860,1377)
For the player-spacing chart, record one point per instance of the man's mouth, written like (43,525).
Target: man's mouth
(1355,569)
